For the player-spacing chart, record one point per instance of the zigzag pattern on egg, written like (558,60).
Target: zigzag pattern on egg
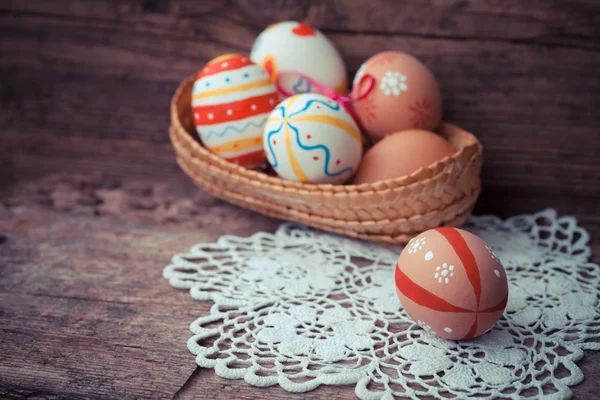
(242,129)
(231,100)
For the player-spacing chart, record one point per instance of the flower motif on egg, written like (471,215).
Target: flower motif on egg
(416,244)
(393,83)
(421,110)
(444,272)
(448,280)
(391,106)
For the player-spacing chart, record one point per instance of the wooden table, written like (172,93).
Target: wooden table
(92,204)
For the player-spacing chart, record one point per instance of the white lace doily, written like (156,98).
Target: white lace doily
(300,308)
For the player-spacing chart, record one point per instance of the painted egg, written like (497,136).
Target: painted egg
(296,47)
(312,139)
(450,282)
(231,100)
(405,95)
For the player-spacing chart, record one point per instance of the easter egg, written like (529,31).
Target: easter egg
(312,139)
(405,95)
(401,154)
(450,282)
(291,46)
(231,100)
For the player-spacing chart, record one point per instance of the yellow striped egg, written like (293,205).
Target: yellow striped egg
(311,138)
(231,100)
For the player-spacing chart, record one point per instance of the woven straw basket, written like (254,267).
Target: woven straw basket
(391,211)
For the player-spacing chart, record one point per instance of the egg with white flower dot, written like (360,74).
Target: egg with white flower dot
(311,138)
(231,100)
(451,283)
(405,95)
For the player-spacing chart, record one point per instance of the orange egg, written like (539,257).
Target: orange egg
(405,95)
(450,282)
(402,154)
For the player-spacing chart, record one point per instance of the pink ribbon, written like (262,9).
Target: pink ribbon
(343,99)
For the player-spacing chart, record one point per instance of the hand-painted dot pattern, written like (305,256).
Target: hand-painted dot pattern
(393,83)
(416,245)
(444,272)
(424,325)
(330,155)
(231,100)
(462,293)
(428,255)
(494,256)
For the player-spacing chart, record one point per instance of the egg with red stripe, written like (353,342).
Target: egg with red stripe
(311,138)
(291,46)
(450,282)
(231,100)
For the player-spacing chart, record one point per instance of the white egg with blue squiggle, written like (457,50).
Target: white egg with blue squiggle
(311,138)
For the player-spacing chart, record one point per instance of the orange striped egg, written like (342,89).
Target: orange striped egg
(312,139)
(450,282)
(231,100)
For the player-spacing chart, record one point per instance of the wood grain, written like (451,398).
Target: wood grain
(536,22)
(92,91)
(84,310)
(85,87)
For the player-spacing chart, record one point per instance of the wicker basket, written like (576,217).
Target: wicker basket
(390,211)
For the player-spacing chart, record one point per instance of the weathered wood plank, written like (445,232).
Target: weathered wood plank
(97,95)
(79,367)
(151,322)
(574,23)
(86,86)
(540,22)
(85,312)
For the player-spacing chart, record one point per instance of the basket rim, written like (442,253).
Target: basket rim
(202,164)
(331,222)
(179,135)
